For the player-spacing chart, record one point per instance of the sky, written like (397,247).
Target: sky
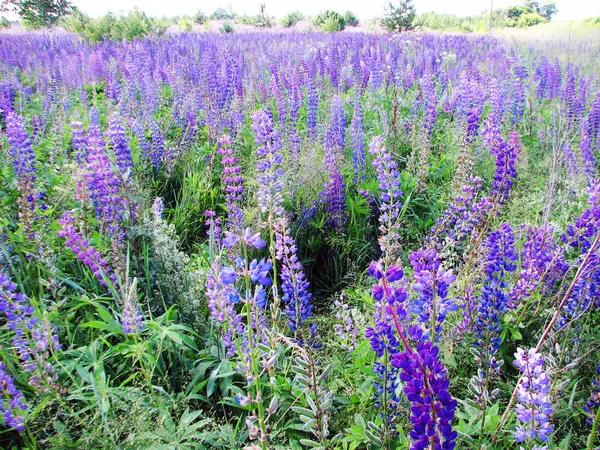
(568,9)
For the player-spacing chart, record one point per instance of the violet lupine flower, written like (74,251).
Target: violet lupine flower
(233,181)
(543,264)
(221,299)
(430,102)
(214,227)
(346,330)
(517,102)
(336,132)
(390,194)
(269,195)
(431,284)
(248,238)
(494,302)
(506,157)
(132,319)
(32,340)
(293,282)
(104,187)
(119,143)
(593,404)
(143,145)
(312,108)
(12,401)
(23,160)
(358,143)
(426,387)
(158,147)
(79,142)
(588,158)
(84,250)
(390,294)
(333,196)
(461,219)
(534,407)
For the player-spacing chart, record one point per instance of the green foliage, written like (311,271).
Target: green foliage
(263,20)
(135,24)
(514,12)
(291,19)
(399,17)
(38,13)
(527,14)
(526,20)
(199,17)
(185,23)
(351,19)
(547,10)
(4,23)
(227,27)
(330,21)
(222,14)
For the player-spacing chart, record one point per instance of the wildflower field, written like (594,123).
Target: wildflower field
(299,240)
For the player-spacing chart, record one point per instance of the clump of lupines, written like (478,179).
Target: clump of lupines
(84,251)
(12,401)
(293,282)
(432,303)
(104,187)
(157,150)
(32,339)
(269,195)
(534,408)
(346,330)
(117,139)
(506,157)
(78,141)
(390,194)
(233,181)
(132,319)
(23,160)
(358,143)
(494,301)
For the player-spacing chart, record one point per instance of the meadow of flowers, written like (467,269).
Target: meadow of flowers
(299,240)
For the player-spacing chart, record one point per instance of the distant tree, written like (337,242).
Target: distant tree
(399,17)
(351,19)
(185,23)
(263,20)
(291,19)
(514,12)
(330,21)
(222,14)
(547,10)
(38,13)
(4,22)
(199,17)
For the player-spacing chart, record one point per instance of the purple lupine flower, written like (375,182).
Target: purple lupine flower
(143,145)
(390,194)
(534,407)
(233,182)
(336,132)
(247,238)
(84,250)
(158,148)
(517,102)
(79,142)
(346,330)
(132,319)
(358,143)
(280,98)
(588,158)
(390,295)
(214,227)
(543,264)
(312,108)
(494,302)
(430,102)
(461,219)
(23,160)
(221,298)
(293,282)
(593,404)
(431,283)
(269,195)
(426,387)
(32,339)
(506,157)
(118,141)
(104,187)
(12,401)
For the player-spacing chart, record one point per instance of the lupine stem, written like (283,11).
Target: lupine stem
(592,436)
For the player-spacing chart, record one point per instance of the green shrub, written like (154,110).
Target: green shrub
(291,19)
(199,17)
(4,22)
(351,19)
(222,14)
(185,23)
(227,27)
(530,19)
(330,21)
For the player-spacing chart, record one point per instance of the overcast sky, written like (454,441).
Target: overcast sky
(568,9)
